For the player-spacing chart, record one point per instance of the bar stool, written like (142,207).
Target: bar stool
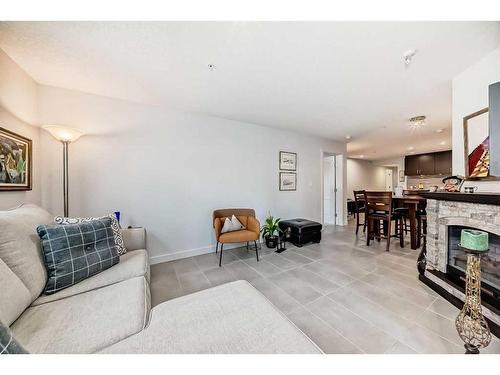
(405,213)
(379,209)
(359,202)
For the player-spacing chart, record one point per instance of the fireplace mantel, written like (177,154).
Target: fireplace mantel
(480,198)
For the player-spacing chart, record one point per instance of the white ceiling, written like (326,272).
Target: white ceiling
(322,78)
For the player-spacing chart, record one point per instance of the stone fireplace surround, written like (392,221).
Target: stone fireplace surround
(446,210)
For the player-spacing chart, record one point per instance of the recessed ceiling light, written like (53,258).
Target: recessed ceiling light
(361,156)
(211,67)
(348,137)
(411,148)
(442,142)
(439,130)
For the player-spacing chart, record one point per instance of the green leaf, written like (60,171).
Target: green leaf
(21,166)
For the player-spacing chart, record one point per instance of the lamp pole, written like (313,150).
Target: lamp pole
(65,177)
(65,135)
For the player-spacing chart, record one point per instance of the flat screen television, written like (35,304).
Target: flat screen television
(494,127)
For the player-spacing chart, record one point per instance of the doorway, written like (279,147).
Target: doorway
(390,179)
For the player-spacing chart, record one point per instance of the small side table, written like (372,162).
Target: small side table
(470,323)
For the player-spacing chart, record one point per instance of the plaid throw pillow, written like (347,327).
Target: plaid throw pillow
(117,233)
(73,253)
(8,344)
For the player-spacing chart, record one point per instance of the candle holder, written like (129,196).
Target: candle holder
(470,323)
(282,237)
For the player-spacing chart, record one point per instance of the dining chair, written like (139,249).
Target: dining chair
(359,201)
(379,209)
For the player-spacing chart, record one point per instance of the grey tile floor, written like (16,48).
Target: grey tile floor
(347,297)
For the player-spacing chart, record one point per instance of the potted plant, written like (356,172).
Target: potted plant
(270,231)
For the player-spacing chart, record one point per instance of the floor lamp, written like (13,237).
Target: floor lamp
(65,135)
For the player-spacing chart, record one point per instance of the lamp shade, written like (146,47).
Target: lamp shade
(63,133)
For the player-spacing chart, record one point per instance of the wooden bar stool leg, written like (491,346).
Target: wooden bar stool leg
(401,233)
(369,234)
(357,222)
(419,231)
(388,235)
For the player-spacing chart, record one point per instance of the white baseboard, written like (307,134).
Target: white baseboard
(188,253)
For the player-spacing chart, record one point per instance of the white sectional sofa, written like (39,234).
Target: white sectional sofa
(111,311)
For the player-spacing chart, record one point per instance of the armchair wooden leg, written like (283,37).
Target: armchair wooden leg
(256,250)
(220,259)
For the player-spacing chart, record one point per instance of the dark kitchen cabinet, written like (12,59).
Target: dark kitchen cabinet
(432,164)
(426,164)
(442,163)
(411,165)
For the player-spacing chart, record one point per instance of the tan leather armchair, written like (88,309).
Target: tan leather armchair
(251,232)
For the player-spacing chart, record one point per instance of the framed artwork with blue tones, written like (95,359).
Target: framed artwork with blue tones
(15,161)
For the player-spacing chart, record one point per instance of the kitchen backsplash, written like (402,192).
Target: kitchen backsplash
(413,183)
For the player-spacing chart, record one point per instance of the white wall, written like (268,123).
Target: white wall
(470,94)
(167,171)
(18,109)
(364,175)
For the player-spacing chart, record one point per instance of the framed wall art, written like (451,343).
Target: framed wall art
(288,161)
(401,175)
(288,181)
(15,161)
(477,145)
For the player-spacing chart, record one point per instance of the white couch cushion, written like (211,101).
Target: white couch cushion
(132,264)
(230,318)
(14,296)
(20,245)
(86,322)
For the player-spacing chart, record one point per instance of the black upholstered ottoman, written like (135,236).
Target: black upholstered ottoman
(302,231)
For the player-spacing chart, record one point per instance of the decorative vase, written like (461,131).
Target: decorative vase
(470,323)
(271,241)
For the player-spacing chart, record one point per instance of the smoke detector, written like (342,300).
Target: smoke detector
(408,56)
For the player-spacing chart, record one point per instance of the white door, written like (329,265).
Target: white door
(388,180)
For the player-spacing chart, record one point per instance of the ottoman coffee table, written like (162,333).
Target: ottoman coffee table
(302,231)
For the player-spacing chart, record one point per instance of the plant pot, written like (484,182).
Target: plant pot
(271,241)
